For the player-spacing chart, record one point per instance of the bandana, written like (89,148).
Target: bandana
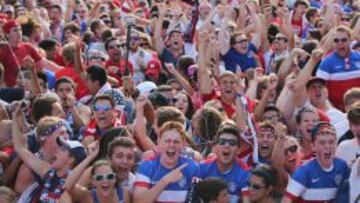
(50,130)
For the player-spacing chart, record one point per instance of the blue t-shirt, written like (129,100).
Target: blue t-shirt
(150,172)
(246,61)
(236,178)
(311,182)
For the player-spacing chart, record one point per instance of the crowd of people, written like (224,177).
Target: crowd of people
(194,101)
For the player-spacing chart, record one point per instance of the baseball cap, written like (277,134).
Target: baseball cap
(8,25)
(322,127)
(315,80)
(75,148)
(153,68)
(146,87)
(9,8)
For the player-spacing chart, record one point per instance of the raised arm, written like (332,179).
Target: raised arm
(158,41)
(203,72)
(38,166)
(257,38)
(306,72)
(182,80)
(224,37)
(35,84)
(79,68)
(78,192)
(140,126)
(286,64)
(271,88)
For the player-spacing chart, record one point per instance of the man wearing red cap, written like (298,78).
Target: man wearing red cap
(12,55)
(152,71)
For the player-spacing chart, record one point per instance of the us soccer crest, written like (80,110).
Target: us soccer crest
(338,179)
(232,187)
(182,182)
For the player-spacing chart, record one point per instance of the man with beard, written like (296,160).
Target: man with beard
(116,66)
(341,69)
(225,165)
(319,179)
(349,150)
(318,97)
(105,118)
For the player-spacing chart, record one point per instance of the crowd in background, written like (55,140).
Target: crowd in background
(196,101)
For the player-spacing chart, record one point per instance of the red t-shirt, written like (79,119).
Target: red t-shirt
(121,65)
(229,109)
(297,26)
(69,71)
(92,130)
(11,64)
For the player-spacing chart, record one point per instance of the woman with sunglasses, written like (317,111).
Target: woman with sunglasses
(103,177)
(119,149)
(262,183)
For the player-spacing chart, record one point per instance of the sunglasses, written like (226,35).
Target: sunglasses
(345,19)
(97,58)
(174,100)
(343,40)
(255,187)
(100,177)
(281,38)
(291,149)
(231,142)
(144,44)
(105,108)
(241,41)
(134,38)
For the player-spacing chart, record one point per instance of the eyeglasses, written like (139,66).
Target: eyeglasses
(291,149)
(100,177)
(105,108)
(231,142)
(97,58)
(255,187)
(343,40)
(241,41)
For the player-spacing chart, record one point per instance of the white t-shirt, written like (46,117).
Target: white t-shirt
(348,150)
(133,56)
(339,120)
